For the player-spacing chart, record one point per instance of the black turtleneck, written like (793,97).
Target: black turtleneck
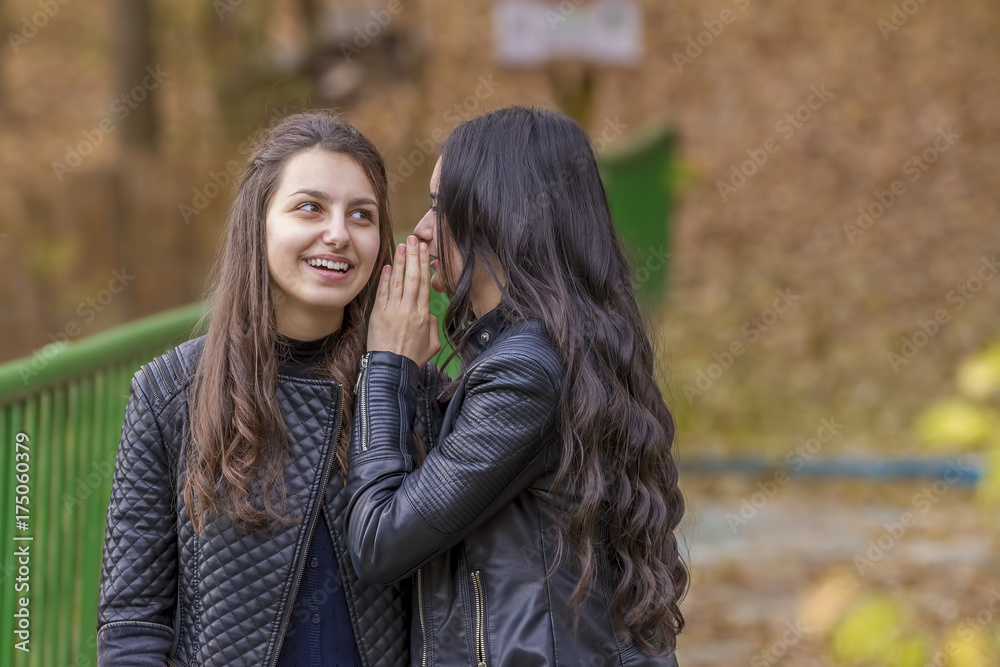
(301,358)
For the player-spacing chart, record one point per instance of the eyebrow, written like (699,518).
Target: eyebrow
(319,194)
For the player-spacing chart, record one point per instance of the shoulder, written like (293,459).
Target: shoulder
(524,348)
(163,378)
(157,412)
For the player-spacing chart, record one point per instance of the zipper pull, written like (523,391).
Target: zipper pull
(364,365)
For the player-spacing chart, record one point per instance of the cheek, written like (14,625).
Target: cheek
(282,243)
(272,250)
(367,243)
(455,262)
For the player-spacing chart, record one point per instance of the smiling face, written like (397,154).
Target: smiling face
(322,233)
(426,230)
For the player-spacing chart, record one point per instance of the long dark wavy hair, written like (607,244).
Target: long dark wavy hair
(238,445)
(520,191)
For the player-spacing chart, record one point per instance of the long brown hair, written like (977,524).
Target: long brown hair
(238,444)
(520,190)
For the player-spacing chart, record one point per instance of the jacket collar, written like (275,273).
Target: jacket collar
(485,330)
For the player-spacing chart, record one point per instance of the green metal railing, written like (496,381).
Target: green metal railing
(69,400)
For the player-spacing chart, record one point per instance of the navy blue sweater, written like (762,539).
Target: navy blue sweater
(319,633)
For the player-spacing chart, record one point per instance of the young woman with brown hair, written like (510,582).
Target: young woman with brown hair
(224,540)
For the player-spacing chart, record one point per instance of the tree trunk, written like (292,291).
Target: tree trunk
(135,224)
(135,64)
(6,28)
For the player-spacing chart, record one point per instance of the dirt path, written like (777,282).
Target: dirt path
(766,584)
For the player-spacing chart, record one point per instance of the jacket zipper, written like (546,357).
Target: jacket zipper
(420,613)
(312,526)
(172,366)
(168,378)
(152,383)
(362,399)
(477,587)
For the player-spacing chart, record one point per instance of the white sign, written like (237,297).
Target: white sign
(529,33)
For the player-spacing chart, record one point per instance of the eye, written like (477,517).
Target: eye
(363,213)
(315,207)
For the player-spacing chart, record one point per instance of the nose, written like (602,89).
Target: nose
(424,230)
(335,232)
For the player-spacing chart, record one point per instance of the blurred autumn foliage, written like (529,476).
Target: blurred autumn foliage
(152,193)
(970,420)
(833,251)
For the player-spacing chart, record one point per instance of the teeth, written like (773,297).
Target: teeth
(328,264)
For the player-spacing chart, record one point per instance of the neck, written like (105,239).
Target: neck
(484,298)
(308,325)
(485,293)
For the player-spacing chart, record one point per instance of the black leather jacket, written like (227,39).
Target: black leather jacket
(230,595)
(474,522)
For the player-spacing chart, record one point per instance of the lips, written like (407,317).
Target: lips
(327,264)
(335,262)
(330,274)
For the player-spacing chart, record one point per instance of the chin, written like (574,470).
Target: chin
(331,301)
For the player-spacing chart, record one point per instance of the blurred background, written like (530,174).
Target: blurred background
(810,192)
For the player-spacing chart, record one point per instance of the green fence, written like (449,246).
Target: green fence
(69,402)
(640,179)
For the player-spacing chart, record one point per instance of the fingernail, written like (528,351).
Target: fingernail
(411,240)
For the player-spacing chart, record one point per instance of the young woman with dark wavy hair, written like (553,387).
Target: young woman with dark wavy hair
(224,541)
(539,527)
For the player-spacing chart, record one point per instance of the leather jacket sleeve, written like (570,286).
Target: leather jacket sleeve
(427,423)
(399,517)
(139,574)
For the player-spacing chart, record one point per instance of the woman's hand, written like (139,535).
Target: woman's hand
(401,320)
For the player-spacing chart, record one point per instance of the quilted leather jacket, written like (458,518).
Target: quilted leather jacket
(169,595)
(474,522)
